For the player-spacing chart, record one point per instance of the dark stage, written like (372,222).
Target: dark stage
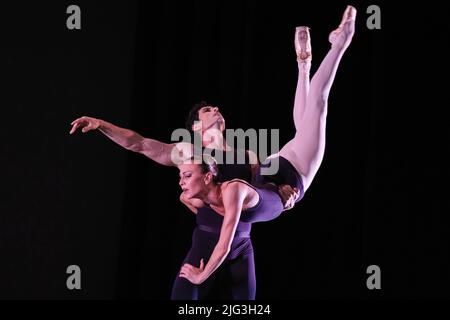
(379,198)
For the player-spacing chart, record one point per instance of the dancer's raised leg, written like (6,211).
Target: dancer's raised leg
(302,43)
(306,150)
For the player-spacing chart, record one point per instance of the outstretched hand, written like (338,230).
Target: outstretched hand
(192,273)
(86,123)
(288,195)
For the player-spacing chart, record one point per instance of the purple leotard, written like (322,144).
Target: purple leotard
(235,278)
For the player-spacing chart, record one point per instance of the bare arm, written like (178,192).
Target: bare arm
(233,199)
(192,204)
(123,137)
(157,151)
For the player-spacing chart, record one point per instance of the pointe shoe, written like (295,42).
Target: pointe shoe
(302,43)
(342,36)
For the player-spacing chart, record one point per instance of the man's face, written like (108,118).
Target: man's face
(211,118)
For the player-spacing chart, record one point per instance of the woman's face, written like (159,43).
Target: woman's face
(192,180)
(210,117)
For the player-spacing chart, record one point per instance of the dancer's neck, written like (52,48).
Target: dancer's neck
(213,196)
(213,138)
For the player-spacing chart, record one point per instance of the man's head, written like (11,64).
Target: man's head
(209,116)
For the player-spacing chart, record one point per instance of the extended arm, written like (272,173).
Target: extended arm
(157,151)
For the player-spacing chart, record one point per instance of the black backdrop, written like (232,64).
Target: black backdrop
(378,199)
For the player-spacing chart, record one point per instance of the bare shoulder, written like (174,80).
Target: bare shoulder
(237,186)
(183,151)
(236,190)
(184,146)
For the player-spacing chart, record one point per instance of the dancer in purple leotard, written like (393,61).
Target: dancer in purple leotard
(216,219)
